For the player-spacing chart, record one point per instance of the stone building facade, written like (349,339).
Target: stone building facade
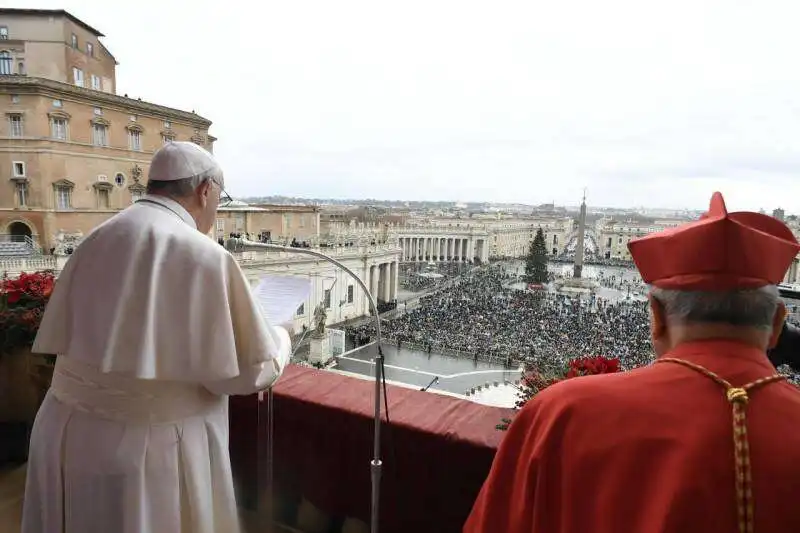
(613,235)
(277,223)
(72,155)
(343,299)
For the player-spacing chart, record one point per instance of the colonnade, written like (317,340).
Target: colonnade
(442,249)
(382,281)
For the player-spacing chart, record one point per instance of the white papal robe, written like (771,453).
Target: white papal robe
(155,325)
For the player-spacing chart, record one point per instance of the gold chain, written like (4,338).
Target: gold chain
(738,397)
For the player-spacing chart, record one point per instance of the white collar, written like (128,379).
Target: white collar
(170,205)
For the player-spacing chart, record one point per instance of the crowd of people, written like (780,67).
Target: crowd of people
(419,277)
(485,315)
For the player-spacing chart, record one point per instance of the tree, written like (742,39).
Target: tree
(536,261)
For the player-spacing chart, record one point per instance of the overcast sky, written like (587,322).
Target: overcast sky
(524,101)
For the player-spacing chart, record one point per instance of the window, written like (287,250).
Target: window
(22,193)
(21,68)
(350,294)
(221,225)
(58,129)
(327,299)
(301,310)
(3,33)
(135,140)
(5,62)
(15,125)
(97,111)
(119,179)
(19,169)
(77,76)
(99,135)
(102,198)
(167,137)
(63,197)
(58,103)
(14,98)
(167,124)
(90,49)
(97,84)
(74,41)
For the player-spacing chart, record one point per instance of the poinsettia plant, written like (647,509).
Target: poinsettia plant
(22,303)
(534,380)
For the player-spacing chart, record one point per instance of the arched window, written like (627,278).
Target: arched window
(5,62)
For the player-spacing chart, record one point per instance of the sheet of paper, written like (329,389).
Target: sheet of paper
(280,296)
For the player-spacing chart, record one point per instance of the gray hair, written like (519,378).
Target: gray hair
(185,187)
(752,307)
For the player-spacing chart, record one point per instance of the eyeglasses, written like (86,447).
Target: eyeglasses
(224,197)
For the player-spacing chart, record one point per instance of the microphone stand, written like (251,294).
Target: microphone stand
(376,464)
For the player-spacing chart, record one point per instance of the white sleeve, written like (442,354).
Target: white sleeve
(257,377)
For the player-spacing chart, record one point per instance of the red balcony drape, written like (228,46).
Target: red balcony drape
(437,451)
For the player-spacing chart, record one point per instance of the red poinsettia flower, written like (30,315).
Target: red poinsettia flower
(22,303)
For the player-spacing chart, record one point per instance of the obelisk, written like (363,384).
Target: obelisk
(576,273)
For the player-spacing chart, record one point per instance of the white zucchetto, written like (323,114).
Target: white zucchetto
(179,160)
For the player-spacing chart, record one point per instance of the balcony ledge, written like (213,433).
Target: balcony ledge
(437,451)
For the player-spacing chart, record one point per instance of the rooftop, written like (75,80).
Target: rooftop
(14,83)
(50,13)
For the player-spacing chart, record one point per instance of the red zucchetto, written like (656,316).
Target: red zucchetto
(721,251)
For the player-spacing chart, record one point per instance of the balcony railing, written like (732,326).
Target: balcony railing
(13,266)
(23,243)
(437,452)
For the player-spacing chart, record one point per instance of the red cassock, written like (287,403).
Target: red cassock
(647,451)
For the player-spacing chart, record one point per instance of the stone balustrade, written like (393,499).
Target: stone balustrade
(14,266)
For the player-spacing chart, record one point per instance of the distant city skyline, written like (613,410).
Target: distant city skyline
(378,201)
(646,105)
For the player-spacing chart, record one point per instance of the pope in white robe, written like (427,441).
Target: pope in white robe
(154,325)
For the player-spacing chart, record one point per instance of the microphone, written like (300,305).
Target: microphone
(237,245)
(428,386)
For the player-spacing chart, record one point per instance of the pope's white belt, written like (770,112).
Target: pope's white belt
(127,399)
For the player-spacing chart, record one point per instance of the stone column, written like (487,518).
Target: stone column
(450,249)
(375,279)
(393,280)
(463,250)
(471,250)
(386,279)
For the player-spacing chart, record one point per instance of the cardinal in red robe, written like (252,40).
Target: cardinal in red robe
(706,439)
